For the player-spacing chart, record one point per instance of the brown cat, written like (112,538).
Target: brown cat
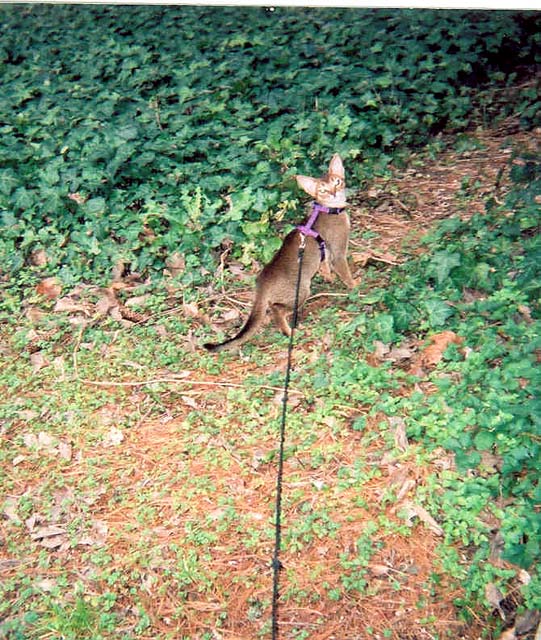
(326,236)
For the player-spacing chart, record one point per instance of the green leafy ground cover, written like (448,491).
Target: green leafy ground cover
(138,474)
(127,133)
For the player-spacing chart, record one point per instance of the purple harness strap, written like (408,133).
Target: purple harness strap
(306,228)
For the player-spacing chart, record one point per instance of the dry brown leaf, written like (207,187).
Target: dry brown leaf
(107,301)
(35,315)
(524,576)
(30,440)
(47,531)
(47,442)
(114,312)
(77,197)
(379,570)
(361,258)
(432,355)
(230,315)
(68,304)
(404,352)
(38,361)
(527,621)
(10,508)
(113,437)
(39,258)
(46,584)
(49,288)
(54,542)
(118,271)
(412,510)
(381,349)
(97,536)
(28,415)
(494,598)
(65,450)
(176,264)
(191,310)
(400,438)
(137,301)
(190,402)
(526,313)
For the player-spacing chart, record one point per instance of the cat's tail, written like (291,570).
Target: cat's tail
(255,320)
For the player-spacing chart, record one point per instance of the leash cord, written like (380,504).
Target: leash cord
(276,564)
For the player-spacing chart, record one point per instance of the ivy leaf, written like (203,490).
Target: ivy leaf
(467,459)
(484,440)
(95,206)
(403,316)
(128,132)
(384,325)
(523,550)
(442,263)
(23,198)
(438,312)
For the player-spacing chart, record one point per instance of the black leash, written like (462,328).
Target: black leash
(276,564)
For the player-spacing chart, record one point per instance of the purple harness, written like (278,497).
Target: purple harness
(306,228)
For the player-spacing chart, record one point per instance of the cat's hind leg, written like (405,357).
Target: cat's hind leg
(279,315)
(341,267)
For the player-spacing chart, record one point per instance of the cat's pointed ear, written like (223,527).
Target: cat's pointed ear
(307,184)
(336,168)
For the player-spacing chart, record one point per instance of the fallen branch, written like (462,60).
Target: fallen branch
(327,294)
(151,381)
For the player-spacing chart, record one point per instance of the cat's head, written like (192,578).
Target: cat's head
(330,189)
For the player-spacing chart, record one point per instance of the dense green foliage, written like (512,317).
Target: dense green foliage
(488,407)
(174,128)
